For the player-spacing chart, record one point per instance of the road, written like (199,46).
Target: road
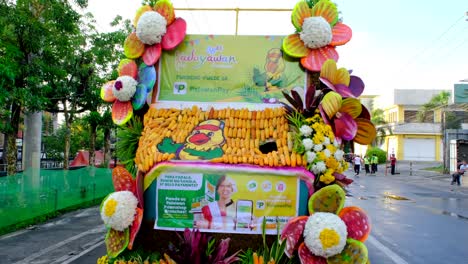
(418,218)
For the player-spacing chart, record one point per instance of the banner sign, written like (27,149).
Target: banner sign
(230,202)
(249,69)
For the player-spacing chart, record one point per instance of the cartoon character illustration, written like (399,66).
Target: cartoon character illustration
(204,143)
(274,65)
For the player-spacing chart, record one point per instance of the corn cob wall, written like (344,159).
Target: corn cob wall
(244,132)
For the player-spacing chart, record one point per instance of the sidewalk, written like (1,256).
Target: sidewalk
(414,173)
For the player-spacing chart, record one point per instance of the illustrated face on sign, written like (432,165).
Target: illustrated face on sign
(207,135)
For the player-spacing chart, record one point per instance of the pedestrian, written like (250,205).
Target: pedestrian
(357,165)
(456,176)
(374,162)
(366,164)
(392,163)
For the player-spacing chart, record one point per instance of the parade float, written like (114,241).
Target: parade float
(234,144)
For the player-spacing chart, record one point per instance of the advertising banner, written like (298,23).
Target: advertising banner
(226,203)
(249,69)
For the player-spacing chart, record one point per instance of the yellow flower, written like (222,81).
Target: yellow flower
(109,208)
(329,238)
(318,138)
(331,148)
(332,163)
(321,155)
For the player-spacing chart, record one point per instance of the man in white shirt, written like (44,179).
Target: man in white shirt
(357,165)
(456,176)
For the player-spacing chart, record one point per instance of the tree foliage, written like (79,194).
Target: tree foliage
(382,127)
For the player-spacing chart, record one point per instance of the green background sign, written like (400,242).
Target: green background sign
(228,69)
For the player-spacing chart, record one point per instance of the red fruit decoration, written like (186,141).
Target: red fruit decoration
(357,222)
(123,180)
(307,257)
(135,227)
(292,232)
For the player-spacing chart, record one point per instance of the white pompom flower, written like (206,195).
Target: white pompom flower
(339,155)
(118,210)
(308,144)
(124,88)
(316,32)
(310,156)
(325,234)
(151,27)
(319,167)
(318,147)
(327,153)
(335,143)
(305,130)
(326,141)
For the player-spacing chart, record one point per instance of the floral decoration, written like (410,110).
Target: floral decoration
(156,29)
(118,210)
(319,31)
(317,142)
(331,234)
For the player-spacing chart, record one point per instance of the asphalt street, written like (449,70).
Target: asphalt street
(417,217)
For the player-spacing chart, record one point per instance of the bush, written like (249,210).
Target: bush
(382,155)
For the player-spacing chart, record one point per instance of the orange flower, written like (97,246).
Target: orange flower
(319,31)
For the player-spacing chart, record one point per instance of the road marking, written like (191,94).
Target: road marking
(395,258)
(66,259)
(14,234)
(60,244)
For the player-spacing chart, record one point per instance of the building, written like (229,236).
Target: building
(413,137)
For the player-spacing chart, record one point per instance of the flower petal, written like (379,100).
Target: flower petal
(152,54)
(324,116)
(355,251)
(345,126)
(292,234)
(341,34)
(294,47)
(133,47)
(128,67)
(328,70)
(165,9)
(122,180)
(365,113)
(135,227)
(317,57)
(175,34)
(307,257)
(356,85)
(327,10)
(116,242)
(300,12)
(343,90)
(140,12)
(121,112)
(139,98)
(329,199)
(327,83)
(331,103)
(357,222)
(106,92)
(352,106)
(366,131)
(147,76)
(341,77)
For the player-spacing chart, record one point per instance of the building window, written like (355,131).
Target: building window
(411,116)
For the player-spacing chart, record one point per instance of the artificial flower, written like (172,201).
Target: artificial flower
(332,234)
(327,153)
(158,28)
(339,155)
(319,167)
(318,147)
(340,80)
(319,31)
(310,156)
(124,88)
(118,210)
(308,144)
(305,130)
(325,234)
(326,141)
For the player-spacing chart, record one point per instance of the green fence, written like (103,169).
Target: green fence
(33,194)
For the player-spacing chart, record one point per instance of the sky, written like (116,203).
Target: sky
(396,44)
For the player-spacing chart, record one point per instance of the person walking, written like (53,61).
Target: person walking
(357,165)
(457,175)
(366,164)
(374,162)
(392,163)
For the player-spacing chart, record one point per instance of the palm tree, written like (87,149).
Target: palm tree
(382,127)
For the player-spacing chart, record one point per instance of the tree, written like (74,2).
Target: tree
(439,100)
(382,127)
(33,31)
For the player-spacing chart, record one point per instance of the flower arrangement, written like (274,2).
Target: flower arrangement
(118,210)
(317,142)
